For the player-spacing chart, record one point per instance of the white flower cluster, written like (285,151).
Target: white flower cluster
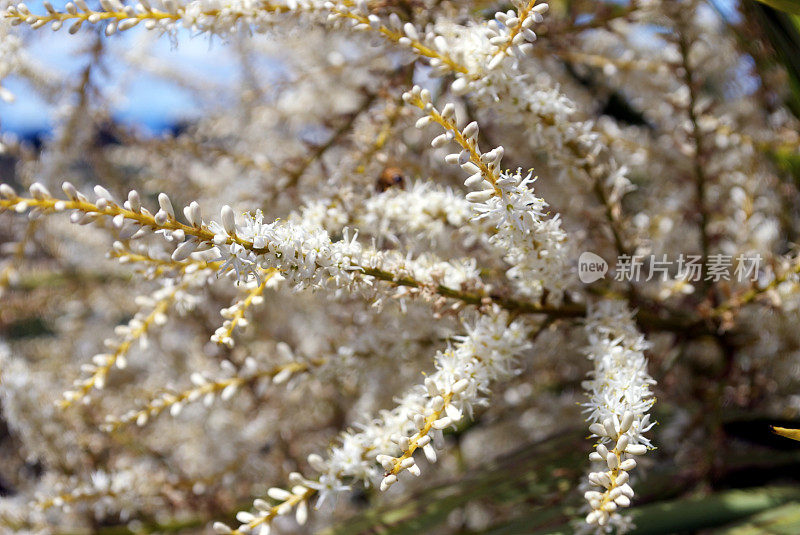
(575,147)
(537,247)
(340,255)
(534,245)
(507,39)
(301,252)
(422,212)
(463,377)
(620,396)
(480,56)
(212,16)
(234,315)
(223,384)
(153,312)
(462,380)
(306,256)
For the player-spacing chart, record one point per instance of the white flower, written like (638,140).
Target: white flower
(328,489)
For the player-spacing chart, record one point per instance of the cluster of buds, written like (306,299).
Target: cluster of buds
(615,491)
(210,16)
(429,45)
(512,31)
(234,315)
(135,330)
(483,167)
(259,521)
(223,385)
(440,413)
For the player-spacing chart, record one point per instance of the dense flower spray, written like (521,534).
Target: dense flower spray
(620,396)
(351,290)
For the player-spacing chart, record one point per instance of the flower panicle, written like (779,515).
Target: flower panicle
(620,396)
(234,315)
(208,389)
(136,329)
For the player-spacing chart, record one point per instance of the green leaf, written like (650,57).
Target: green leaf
(784,520)
(789,6)
(715,510)
(782,30)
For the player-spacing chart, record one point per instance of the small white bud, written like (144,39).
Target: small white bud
(282,376)
(449,110)
(612,460)
(192,213)
(7,191)
(628,464)
(69,190)
(161,218)
(460,85)
(134,202)
(228,219)
(166,204)
(429,452)
(244,517)
(442,423)
(479,196)
(419,421)
(471,130)
(530,35)
(540,8)
(470,168)
(221,528)
(460,386)
(626,422)
(388,481)
(608,425)
(411,31)
(453,412)
(301,515)
(141,419)
(598,429)
(404,443)
(439,141)
(627,490)
(229,391)
(422,122)
(38,191)
(183,251)
(279,494)
(495,61)
(636,449)
(474,180)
